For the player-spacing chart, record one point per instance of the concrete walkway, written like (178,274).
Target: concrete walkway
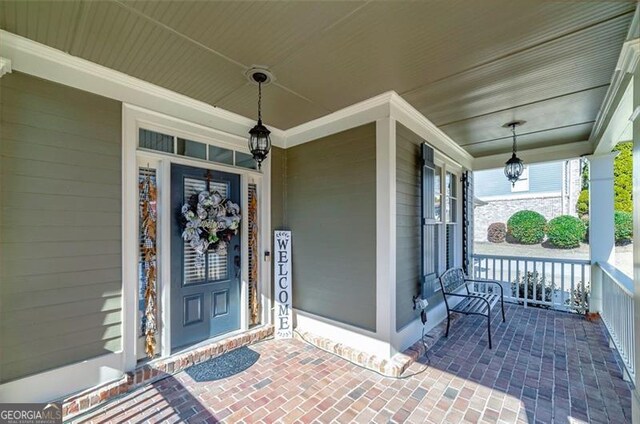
(545,367)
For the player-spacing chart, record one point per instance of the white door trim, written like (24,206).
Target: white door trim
(134,118)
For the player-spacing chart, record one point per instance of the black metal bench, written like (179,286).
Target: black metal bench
(474,302)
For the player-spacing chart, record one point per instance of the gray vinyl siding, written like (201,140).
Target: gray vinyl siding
(331,210)
(60,226)
(278,197)
(278,179)
(543,178)
(408,251)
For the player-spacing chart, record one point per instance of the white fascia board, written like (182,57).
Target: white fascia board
(411,118)
(609,111)
(542,154)
(54,65)
(619,124)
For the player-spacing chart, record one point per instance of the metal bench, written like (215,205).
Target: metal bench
(474,302)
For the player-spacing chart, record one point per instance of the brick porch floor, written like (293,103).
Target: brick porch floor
(545,367)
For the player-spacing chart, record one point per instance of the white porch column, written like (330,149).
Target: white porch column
(601,227)
(635,402)
(386,229)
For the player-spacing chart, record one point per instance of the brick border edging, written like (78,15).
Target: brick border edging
(393,367)
(157,369)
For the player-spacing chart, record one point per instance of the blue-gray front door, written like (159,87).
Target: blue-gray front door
(205,301)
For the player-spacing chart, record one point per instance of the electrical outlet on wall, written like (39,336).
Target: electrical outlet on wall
(419,303)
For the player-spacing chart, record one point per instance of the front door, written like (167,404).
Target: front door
(205,301)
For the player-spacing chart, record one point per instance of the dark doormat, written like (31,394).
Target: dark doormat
(224,366)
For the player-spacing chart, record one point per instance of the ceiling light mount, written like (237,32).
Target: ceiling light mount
(259,75)
(514,123)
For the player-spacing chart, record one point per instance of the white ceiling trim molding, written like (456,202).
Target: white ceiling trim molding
(620,82)
(411,118)
(54,65)
(5,66)
(352,116)
(542,154)
(37,59)
(386,105)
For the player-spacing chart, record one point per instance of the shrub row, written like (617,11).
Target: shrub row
(565,231)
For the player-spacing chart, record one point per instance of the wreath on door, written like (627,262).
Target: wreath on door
(209,223)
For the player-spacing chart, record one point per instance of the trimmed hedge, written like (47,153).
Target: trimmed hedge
(497,232)
(623,222)
(527,227)
(566,231)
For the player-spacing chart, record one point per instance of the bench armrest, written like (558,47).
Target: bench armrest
(470,280)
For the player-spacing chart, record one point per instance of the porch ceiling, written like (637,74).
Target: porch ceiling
(467,66)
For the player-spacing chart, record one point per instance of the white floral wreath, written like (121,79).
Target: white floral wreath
(210,222)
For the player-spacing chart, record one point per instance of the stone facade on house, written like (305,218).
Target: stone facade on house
(560,201)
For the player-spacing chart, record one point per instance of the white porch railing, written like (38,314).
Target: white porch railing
(562,284)
(618,313)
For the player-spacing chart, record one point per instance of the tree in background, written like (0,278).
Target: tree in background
(622,183)
(623,177)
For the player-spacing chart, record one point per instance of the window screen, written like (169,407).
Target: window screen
(155,141)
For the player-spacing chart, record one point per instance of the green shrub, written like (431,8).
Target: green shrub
(579,299)
(582,206)
(565,231)
(623,177)
(527,227)
(623,227)
(532,286)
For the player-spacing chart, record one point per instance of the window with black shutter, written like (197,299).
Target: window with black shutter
(431,210)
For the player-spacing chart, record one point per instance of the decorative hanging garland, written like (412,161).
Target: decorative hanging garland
(210,221)
(252,217)
(148,198)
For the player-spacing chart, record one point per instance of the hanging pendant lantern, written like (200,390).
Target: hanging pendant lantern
(259,139)
(514,167)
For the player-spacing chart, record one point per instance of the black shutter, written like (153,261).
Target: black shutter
(467,222)
(429,236)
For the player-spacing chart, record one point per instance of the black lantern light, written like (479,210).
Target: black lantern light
(259,140)
(514,167)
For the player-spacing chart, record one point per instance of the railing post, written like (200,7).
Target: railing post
(601,228)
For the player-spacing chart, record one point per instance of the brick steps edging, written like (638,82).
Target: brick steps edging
(157,369)
(393,367)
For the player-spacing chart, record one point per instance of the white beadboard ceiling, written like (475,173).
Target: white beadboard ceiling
(469,66)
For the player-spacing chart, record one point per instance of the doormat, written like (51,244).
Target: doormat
(224,366)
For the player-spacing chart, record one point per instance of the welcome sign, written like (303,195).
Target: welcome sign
(283,315)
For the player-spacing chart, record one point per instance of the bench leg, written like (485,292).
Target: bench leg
(489,328)
(448,322)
